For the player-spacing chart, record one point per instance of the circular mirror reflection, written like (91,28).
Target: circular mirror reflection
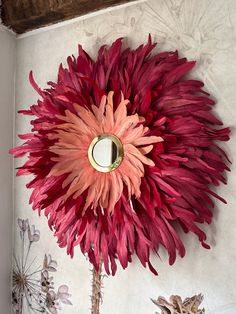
(105,152)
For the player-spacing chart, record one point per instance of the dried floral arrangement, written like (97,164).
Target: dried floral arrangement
(176,306)
(33,288)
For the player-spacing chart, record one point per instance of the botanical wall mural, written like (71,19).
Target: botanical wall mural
(33,289)
(201,31)
(178,306)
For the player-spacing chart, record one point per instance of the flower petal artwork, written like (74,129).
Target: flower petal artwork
(170,155)
(177,306)
(33,288)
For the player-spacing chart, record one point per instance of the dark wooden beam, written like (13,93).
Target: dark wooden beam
(24,15)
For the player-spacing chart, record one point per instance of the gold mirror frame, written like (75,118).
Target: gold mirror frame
(120,153)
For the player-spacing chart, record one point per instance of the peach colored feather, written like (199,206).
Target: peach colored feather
(75,135)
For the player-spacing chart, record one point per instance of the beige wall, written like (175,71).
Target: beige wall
(201,30)
(7,70)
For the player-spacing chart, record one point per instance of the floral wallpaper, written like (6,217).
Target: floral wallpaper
(202,30)
(33,289)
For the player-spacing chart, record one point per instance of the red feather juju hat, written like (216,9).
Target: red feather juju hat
(170,156)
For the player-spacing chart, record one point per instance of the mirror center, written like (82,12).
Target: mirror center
(105,152)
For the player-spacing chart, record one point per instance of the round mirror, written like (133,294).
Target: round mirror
(105,152)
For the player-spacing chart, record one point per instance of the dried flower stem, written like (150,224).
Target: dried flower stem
(96,297)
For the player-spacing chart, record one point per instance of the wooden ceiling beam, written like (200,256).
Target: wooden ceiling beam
(25,15)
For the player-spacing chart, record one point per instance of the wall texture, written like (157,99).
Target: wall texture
(7,70)
(204,30)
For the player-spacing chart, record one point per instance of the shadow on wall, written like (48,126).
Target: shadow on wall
(7,70)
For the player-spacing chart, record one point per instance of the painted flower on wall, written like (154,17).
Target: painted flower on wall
(172,156)
(33,288)
(178,306)
(200,31)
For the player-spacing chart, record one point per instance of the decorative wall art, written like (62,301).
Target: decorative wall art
(177,306)
(33,289)
(123,150)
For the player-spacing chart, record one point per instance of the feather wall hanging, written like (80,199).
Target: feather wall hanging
(163,148)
